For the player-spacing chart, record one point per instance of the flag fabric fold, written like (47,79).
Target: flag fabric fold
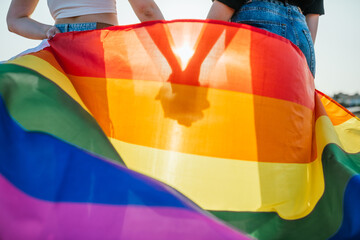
(226,114)
(53,189)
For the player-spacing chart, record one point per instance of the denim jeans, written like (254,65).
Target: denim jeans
(282,19)
(72,27)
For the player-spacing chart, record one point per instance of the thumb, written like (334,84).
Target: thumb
(52,32)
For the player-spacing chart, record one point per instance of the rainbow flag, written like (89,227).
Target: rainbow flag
(226,114)
(52,189)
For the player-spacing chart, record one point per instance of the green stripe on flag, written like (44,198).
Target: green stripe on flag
(322,222)
(38,104)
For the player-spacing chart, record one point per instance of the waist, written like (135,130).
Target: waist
(76,27)
(106,18)
(285,3)
(280,2)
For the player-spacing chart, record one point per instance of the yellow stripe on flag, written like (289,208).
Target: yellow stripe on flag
(49,71)
(228,185)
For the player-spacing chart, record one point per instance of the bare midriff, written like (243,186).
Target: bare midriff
(109,18)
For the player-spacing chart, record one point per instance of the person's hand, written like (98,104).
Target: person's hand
(51,32)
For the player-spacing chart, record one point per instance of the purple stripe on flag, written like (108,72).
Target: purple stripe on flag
(25,217)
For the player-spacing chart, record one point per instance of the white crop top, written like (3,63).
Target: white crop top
(73,8)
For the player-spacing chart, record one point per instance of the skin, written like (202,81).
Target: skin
(220,11)
(312,20)
(20,22)
(19,19)
(146,10)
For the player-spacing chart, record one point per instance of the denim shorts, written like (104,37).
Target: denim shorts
(72,27)
(282,19)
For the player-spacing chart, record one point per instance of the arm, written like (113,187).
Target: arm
(146,10)
(220,11)
(312,21)
(208,37)
(19,21)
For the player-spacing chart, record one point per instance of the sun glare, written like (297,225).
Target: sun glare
(185,52)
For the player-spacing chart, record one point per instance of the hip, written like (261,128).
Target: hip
(74,27)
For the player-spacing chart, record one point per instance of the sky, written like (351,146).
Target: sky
(337,44)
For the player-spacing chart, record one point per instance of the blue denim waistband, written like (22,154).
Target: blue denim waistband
(282,3)
(72,27)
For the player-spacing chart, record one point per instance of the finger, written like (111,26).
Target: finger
(56,30)
(52,32)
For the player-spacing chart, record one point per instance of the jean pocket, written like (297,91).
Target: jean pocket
(310,53)
(274,27)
